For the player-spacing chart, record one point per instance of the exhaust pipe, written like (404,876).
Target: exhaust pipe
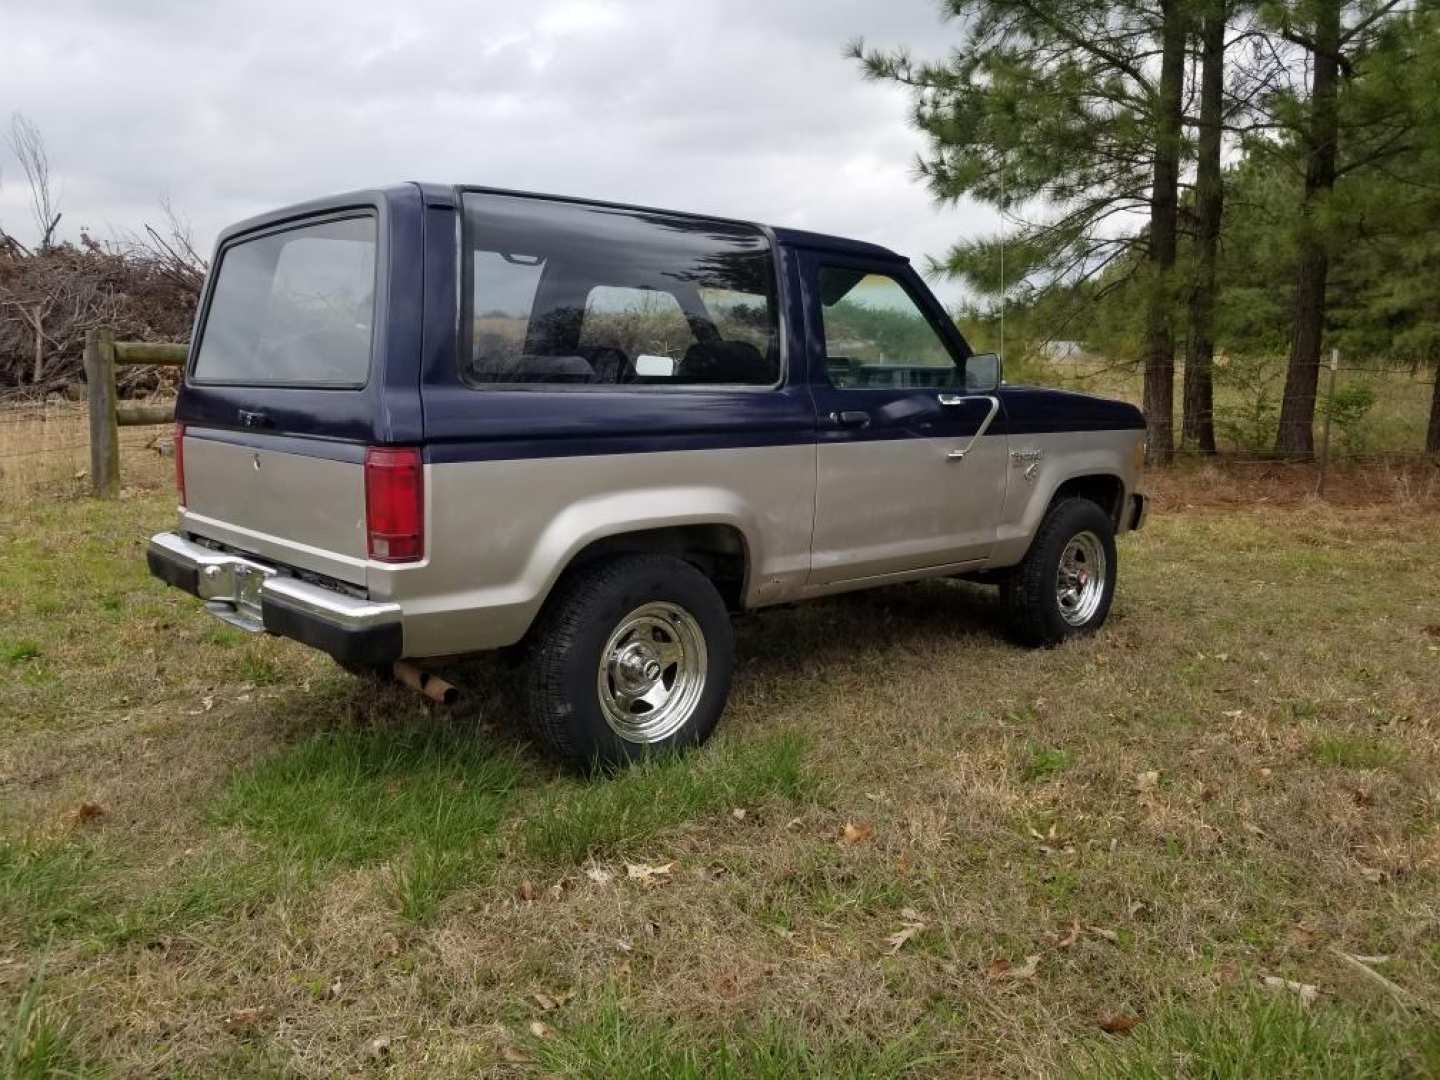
(432,686)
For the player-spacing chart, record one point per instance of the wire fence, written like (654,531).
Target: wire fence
(1377,415)
(45,448)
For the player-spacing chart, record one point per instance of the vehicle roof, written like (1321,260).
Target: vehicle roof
(782,235)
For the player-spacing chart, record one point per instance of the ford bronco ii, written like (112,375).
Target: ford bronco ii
(424,421)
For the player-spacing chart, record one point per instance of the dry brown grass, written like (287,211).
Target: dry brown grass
(1236,778)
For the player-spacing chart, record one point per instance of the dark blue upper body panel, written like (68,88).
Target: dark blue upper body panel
(415,394)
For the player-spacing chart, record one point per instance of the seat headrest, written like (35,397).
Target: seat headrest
(725,362)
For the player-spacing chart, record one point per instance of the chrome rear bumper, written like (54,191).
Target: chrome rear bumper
(258,597)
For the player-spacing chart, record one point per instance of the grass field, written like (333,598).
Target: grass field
(913,849)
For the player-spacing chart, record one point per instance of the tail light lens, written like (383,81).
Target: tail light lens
(394,504)
(180,462)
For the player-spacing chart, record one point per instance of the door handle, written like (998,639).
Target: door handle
(951,399)
(254,419)
(850,418)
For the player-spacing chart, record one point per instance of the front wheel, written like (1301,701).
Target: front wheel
(1066,583)
(630,658)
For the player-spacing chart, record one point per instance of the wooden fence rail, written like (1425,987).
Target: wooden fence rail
(107,414)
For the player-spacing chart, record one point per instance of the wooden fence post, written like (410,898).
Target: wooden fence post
(104,433)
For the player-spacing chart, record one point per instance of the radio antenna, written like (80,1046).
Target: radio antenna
(1002,259)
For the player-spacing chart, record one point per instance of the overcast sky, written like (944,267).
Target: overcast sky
(738,107)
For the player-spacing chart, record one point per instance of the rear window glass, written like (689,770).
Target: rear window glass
(293,308)
(563,293)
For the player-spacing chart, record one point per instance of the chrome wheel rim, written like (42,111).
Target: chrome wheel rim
(652,672)
(1080,579)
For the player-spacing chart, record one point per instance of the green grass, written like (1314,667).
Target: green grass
(1354,752)
(599,816)
(611,1043)
(48,886)
(1270,1036)
(1041,763)
(34,1044)
(428,798)
(16,652)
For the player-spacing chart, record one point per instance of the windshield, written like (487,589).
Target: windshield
(293,308)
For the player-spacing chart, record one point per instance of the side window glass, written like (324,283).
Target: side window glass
(876,335)
(561,292)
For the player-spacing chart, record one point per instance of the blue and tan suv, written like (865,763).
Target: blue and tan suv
(426,420)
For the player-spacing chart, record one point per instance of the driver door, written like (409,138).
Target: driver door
(909,473)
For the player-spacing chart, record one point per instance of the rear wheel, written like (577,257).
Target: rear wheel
(1066,584)
(631,657)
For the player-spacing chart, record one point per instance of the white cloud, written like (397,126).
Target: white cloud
(739,107)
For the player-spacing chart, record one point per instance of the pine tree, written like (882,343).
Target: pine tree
(1069,111)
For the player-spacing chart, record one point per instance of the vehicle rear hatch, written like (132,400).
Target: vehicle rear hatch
(286,386)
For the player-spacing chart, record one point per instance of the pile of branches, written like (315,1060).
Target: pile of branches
(144,290)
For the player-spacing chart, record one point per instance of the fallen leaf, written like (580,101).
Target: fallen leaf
(85,813)
(1117,1023)
(1147,781)
(1254,830)
(1305,991)
(545,1001)
(1234,714)
(738,813)
(897,940)
(1071,937)
(599,875)
(380,1046)
(239,1021)
(649,876)
(1369,961)
(1003,969)
(856,832)
(540,1029)
(207,703)
(909,914)
(388,945)
(526,891)
(1136,907)
(1372,874)
(1108,935)
(794,823)
(514,1055)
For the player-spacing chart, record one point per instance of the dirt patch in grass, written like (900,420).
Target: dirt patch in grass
(913,849)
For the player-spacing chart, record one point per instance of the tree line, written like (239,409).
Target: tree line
(52,291)
(1181,176)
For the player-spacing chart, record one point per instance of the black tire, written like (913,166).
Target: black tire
(1031,594)
(570,705)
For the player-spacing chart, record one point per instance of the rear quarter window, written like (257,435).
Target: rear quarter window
(575,294)
(293,308)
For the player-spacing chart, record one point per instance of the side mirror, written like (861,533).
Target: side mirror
(982,373)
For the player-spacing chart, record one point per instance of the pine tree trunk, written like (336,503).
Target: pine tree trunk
(1159,340)
(1198,428)
(1297,409)
(1432,437)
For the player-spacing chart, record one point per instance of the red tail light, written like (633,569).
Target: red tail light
(180,461)
(394,503)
